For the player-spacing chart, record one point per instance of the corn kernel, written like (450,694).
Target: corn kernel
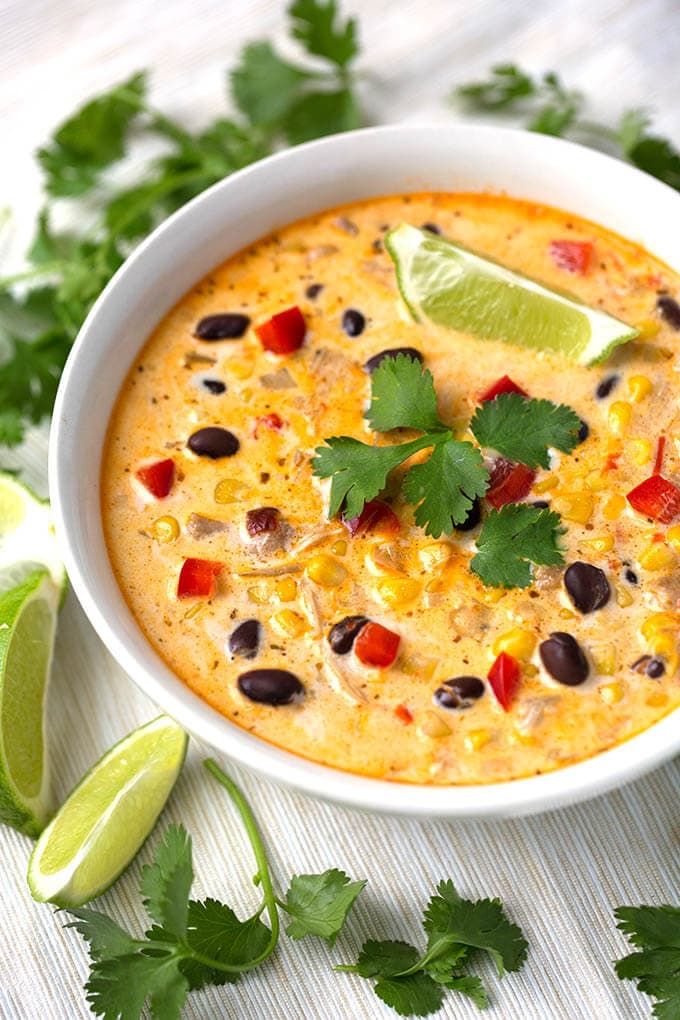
(639,451)
(596,481)
(659,622)
(193,612)
(493,595)
(516,642)
(518,737)
(286,589)
(325,570)
(601,544)
(435,554)
(623,598)
(566,614)
(398,591)
(657,557)
(165,529)
(673,536)
(530,670)
(545,484)
(415,666)
(289,623)
(612,693)
(604,659)
(240,369)
(230,490)
(639,387)
(648,329)
(657,699)
(475,740)
(577,507)
(435,584)
(432,725)
(620,414)
(339,548)
(665,643)
(260,594)
(614,507)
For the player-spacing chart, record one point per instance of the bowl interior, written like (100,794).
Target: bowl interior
(218,223)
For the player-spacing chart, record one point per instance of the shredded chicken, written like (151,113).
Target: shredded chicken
(530,713)
(285,568)
(342,684)
(267,543)
(547,578)
(310,605)
(281,380)
(316,536)
(200,527)
(321,251)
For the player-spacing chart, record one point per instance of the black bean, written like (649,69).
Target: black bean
(353,322)
(473,518)
(213,442)
(459,692)
(587,586)
(655,668)
(215,386)
(563,658)
(313,290)
(270,686)
(640,665)
(669,310)
(583,432)
(410,352)
(224,326)
(343,634)
(541,504)
(261,520)
(605,387)
(630,576)
(431,228)
(245,639)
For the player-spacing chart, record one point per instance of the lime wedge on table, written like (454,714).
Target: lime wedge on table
(104,821)
(28,616)
(450,286)
(27,538)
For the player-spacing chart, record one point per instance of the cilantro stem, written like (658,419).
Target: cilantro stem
(260,854)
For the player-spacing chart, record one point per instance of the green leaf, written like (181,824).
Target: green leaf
(523,430)
(358,471)
(632,129)
(479,924)
(445,956)
(470,986)
(105,938)
(11,428)
(317,27)
(118,987)
(507,84)
(166,883)
(214,930)
(650,927)
(384,957)
(413,995)
(264,86)
(93,138)
(513,538)
(658,157)
(317,114)
(444,487)
(48,247)
(403,396)
(561,109)
(319,904)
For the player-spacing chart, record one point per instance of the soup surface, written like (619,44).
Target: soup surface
(294,575)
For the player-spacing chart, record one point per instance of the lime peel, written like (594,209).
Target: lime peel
(446,284)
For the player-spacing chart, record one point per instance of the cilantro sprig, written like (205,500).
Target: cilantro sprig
(414,983)
(277,102)
(655,966)
(443,487)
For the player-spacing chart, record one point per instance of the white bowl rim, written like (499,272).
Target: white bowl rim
(609,769)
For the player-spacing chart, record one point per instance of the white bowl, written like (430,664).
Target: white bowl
(208,230)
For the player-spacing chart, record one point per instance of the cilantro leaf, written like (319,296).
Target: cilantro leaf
(513,538)
(524,429)
(92,139)
(319,904)
(658,157)
(322,113)
(470,985)
(561,108)
(165,884)
(507,84)
(403,396)
(655,931)
(444,487)
(214,931)
(386,957)
(480,924)
(264,86)
(315,25)
(358,471)
(632,129)
(105,938)
(413,995)
(118,987)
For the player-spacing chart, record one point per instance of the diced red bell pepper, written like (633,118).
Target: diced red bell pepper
(509,482)
(376,645)
(198,579)
(404,714)
(274,422)
(572,256)
(504,679)
(503,385)
(376,517)
(284,332)
(657,498)
(157,478)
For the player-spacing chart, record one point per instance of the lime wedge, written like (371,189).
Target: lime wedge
(104,821)
(28,616)
(27,539)
(450,286)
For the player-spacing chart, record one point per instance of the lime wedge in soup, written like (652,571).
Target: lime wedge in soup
(441,282)
(27,540)
(28,616)
(104,821)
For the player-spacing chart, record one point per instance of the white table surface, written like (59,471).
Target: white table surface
(560,874)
